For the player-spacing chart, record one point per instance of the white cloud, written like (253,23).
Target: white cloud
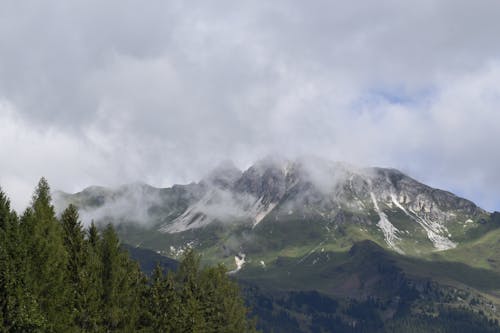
(160,92)
(28,153)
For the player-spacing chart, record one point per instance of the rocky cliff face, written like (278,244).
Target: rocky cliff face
(384,204)
(336,193)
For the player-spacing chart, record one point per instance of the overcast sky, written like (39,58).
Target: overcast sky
(110,92)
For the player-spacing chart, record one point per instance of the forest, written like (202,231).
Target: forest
(57,276)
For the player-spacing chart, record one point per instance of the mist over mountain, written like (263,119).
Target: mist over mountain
(385,203)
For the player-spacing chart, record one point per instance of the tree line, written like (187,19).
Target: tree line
(57,276)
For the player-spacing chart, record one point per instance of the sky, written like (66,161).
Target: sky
(107,93)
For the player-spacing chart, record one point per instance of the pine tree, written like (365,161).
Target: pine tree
(171,303)
(109,253)
(153,317)
(18,309)
(121,284)
(190,314)
(162,302)
(7,272)
(47,259)
(93,235)
(5,263)
(94,278)
(131,288)
(81,275)
(224,309)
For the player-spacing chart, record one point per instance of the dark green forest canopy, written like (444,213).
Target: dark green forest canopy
(57,276)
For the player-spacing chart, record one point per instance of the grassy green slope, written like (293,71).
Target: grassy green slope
(367,270)
(482,252)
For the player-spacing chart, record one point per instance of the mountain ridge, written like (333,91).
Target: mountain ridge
(399,206)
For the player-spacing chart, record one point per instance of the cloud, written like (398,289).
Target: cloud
(27,153)
(128,204)
(160,92)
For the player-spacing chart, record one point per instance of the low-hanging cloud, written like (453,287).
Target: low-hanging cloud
(130,204)
(94,93)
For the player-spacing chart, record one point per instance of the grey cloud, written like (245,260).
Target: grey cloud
(107,93)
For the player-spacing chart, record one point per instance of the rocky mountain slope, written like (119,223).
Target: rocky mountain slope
(284,227)
(334,200)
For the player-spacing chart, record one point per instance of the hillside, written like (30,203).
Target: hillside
(372,236)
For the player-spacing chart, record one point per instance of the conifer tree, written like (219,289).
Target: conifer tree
(132,285)
(5,263)
(84,296)
(155,313)
(162,302)
(93,235)
(121,284)
(171,302)
(109,254)
(18,309)
(191,313)
(94,277)
(47,258)
(7,271)
(224,309)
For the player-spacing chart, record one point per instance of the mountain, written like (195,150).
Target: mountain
(310,225)
(281,204)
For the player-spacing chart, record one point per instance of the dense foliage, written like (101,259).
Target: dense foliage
(310,311)
(55,276)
